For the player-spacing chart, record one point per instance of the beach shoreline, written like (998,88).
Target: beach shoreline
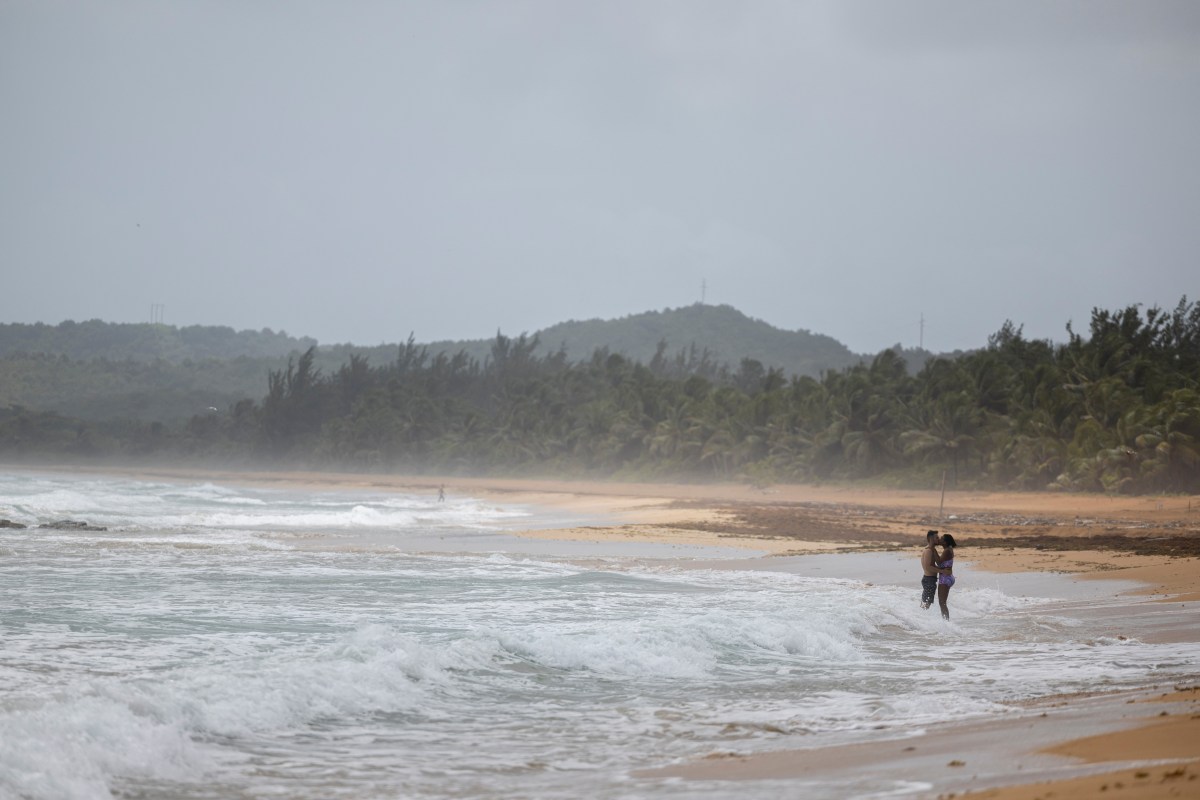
(1149,545)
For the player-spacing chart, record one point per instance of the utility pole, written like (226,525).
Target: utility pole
(942,504)
(703,290)
(922,340)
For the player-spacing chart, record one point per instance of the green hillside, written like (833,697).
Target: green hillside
(98,370)
(145,341)
(154,391)
(726,334)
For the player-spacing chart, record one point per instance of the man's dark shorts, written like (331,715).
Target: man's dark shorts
(928,587)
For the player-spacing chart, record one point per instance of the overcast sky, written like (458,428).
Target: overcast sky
(356,171)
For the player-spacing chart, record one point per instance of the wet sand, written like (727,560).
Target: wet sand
(1141,555)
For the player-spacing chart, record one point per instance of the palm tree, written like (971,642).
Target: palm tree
(1171,442)
(948,431)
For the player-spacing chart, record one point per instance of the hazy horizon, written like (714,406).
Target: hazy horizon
(1080,328)
(359,172)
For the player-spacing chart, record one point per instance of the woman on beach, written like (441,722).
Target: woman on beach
(945,567)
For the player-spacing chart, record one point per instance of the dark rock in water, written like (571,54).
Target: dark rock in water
(71,525)
(8,523)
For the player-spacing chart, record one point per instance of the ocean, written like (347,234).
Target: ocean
(224,641)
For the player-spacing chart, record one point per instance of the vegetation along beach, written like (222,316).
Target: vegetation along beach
(1111,410)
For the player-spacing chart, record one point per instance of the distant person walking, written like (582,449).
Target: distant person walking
(945,579)
(929,558)
(442,493)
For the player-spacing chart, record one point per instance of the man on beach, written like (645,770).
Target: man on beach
(928,566)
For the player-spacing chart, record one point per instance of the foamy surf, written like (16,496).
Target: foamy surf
(227,658)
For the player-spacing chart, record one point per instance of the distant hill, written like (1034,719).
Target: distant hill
(117,341)
(725,333)
(99,370)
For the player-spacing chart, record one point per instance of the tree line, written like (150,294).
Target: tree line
(117,341)
(96,370)
(1117,410)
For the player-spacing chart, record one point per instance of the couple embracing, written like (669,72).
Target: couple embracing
(939,570)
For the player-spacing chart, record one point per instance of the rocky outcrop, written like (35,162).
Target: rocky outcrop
(71,525)
(8,523)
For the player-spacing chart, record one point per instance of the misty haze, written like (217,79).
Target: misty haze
(529,399)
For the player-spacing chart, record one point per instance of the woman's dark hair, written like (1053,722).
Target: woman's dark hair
(947,539)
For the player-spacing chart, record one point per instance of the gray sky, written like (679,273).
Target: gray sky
(354,171)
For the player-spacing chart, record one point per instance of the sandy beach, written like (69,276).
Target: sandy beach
(1143,551)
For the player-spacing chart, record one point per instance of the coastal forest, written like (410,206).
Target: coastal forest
(1115,408)
(99,371)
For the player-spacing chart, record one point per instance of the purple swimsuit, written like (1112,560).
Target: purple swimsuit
(943,578)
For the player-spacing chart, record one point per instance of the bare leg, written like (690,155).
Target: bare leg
(943,595)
